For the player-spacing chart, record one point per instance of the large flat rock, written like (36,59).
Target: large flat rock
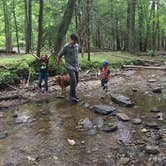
(121,100)
(103,109)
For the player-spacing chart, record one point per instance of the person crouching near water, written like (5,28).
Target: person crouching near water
(105,75)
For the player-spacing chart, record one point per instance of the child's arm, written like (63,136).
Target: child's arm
(35,56)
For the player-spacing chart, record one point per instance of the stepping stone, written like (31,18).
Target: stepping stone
(92,132)
(157,90)
(152,125)
(3,135)
(152,149)
(123,117)
(104,109)
(121,100)
(110,128)
(137,121)
(155,109)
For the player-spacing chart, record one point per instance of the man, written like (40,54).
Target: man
(70,52)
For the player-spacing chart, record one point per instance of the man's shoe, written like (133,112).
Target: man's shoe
(73,100)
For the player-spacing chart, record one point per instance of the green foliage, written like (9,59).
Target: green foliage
(20,65)
(8,77)
(152,53)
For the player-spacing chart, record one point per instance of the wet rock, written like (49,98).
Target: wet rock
(123,117)
(152,80)
(3,134)
(134,89)
(2,115)
(110,128)
(104,109)
(19,121)
(87,124)
(137,121)
(155,109)
(124,160)
(99,122)
(159,116)
(160,163)
(92,132)
(151,149)
(15,115)
(153,125)
(157,90)
(121,100)
(84,105)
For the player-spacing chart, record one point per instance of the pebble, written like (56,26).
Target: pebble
(123,116)
(137,121)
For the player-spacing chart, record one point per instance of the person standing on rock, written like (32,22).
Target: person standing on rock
(70,52)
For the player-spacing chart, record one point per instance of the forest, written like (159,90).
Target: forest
(82,83)
(126,25)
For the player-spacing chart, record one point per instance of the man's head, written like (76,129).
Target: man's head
(74,38)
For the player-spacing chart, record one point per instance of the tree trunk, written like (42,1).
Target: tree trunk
(16,26)
(28,25)
(153,25)
(131,26)
(7,28)
(158,26)
(64,25)
(40,28)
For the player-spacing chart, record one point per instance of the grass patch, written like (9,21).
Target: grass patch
(19,65)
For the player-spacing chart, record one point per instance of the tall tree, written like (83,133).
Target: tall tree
(131,25)
(64,25)
(7,28)
(16,26)
(28,25)
(40,27)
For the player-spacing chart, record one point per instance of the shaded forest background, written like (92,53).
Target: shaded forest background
(127,25)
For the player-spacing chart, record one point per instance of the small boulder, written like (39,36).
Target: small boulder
(152,125)
(110,128)
(92,132)
(151,149)
(104,109)
(121,100)
(3,134)
(157,90)
(137,121)
(87,124)
(123,116)
(155,109)
(99,122)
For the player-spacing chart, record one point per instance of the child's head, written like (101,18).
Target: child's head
(44,56)
(105,63)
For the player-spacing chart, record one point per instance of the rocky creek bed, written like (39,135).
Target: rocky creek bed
(125,126)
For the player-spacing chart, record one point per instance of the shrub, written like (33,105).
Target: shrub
(152,53)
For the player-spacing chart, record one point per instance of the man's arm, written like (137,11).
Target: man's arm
(59,56)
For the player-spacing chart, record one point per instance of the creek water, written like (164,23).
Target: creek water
(38,133)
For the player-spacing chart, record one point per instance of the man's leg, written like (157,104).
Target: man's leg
(73,84)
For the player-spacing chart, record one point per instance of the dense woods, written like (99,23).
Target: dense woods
(129,25)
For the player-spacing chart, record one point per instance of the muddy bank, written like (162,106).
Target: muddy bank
(37,132)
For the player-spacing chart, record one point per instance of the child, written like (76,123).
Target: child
(104,75)
(43,71)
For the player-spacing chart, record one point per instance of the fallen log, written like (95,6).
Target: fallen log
(144,67)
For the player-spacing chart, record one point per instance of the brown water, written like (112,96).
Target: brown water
(38,136)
